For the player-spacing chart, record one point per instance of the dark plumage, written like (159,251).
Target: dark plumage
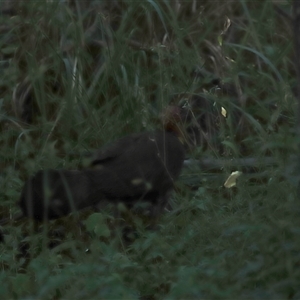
(138,167)
(51,194)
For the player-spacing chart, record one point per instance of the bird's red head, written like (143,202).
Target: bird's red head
(172,121)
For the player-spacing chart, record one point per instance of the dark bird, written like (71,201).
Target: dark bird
(138,167)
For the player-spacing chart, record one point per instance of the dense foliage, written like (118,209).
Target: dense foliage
(78,74)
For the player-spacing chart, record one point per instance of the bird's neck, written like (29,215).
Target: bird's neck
(176,130)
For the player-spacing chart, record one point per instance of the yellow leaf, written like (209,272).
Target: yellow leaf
(223,112)
(231,180)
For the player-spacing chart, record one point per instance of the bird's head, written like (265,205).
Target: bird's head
(172,122)
(193,118)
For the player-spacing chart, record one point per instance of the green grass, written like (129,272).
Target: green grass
(99,70)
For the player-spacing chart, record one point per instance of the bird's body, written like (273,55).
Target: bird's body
(138,167)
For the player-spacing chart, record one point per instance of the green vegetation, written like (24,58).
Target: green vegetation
(76,76)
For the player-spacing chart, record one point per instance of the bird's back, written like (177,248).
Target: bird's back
(139,166)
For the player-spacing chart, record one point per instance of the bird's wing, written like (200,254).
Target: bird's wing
(115,149)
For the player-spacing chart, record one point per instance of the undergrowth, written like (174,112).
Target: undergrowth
(77,75)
